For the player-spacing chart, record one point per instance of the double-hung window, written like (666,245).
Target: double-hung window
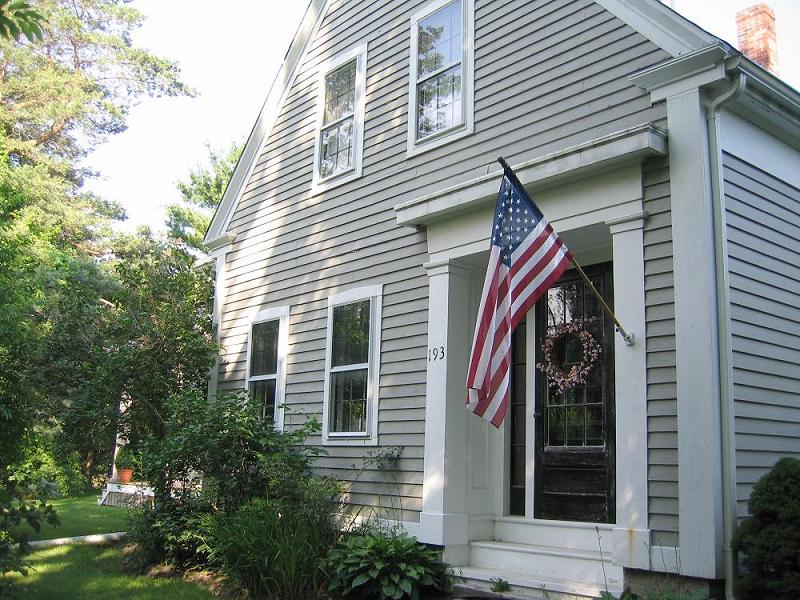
(340,131)
(440,92)
(350,410)
(266,362)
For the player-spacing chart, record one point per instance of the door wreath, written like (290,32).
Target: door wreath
(561,380)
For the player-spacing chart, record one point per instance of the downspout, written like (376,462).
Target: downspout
(724,346)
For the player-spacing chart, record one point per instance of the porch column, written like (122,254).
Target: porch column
(444,505)
(631,536)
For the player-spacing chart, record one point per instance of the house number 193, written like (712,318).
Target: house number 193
(436,353)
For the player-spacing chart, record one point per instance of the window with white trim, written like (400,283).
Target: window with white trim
(350,410)
(440,94)
(266,362)
(340,131)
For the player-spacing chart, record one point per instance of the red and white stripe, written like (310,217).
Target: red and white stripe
(508,293)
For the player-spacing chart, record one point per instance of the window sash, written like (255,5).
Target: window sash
(461,121)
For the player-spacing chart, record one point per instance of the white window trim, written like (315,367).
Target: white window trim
(360,54)
(370,438)
(468,77)
(280,314)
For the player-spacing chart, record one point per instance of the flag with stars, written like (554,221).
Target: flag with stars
(526,257)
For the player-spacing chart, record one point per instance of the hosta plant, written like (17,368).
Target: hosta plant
(385,566)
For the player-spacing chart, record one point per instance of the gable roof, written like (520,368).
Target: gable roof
(663,26)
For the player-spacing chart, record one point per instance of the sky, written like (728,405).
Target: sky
(231,57)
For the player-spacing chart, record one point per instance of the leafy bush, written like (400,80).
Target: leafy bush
(770,537)
(18,504)
(214,458)
(272,548)
(385,566)
(41,461)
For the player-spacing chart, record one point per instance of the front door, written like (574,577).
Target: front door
(574,427)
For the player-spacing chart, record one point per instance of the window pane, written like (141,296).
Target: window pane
(594,425)
(337,148)
(350,334)
(263,393)
(340,92)
(439,102)
(555,426)
(349,406)
(439,39)
(264,349)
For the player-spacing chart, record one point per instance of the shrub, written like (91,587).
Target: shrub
(215,457)
(274,549)
(18,504)
(770,537)
(385,566)
(41,461)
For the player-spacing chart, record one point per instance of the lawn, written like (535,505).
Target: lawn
(81,571)
(82,516)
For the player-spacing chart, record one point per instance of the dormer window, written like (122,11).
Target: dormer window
(339,143)
(440,94)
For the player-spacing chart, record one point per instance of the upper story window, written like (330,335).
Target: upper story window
(340,133)
(350,410)
(440,94)
(266,362)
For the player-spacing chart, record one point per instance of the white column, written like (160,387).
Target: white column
(444,504)
(697,365)
(631,536)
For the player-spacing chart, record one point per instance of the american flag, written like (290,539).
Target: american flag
(526,257)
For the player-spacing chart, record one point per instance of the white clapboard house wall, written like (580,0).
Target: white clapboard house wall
(351,245)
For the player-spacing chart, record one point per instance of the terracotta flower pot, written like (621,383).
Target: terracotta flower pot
(125,475)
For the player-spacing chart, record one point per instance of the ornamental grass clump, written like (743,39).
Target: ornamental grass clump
(769,539)
(385,566)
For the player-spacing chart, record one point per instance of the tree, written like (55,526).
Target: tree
(201,194)
(18,18)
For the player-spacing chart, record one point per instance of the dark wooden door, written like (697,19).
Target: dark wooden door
(574,470)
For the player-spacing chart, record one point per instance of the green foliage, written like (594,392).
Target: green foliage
(21,505)
(385,566)
(42,461)
(770,537)
(18,18)
(127,459)
(274,548)
(201,194)
(499,584)
(235,454)
(677,595)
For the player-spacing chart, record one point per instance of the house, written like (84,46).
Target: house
(352,242)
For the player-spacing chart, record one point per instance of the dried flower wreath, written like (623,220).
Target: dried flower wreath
(556,376)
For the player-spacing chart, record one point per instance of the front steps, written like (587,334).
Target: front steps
(540,572)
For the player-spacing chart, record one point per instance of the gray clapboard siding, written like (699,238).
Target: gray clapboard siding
(661,378)
(547,75)
(763,227)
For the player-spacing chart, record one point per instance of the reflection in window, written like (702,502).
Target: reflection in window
(440,71)
(575,418)
(338,123)
(263,367)
(350,367)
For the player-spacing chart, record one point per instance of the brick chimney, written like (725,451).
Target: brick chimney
(755,28)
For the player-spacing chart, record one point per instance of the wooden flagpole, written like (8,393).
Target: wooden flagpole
(628,337)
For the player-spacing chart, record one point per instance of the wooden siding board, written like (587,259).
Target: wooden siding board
(661,373)
(763,230)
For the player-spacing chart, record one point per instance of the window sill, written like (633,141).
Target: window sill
(415,148)
(350,440)
(318,187)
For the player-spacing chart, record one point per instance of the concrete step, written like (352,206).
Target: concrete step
(480,580)
(585,569)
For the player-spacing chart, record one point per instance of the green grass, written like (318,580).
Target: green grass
(81,516)
(80,571)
